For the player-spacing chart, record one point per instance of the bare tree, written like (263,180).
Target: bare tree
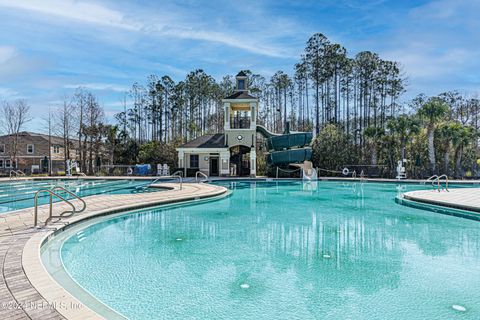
(15,115)
(64,125)
(48,126)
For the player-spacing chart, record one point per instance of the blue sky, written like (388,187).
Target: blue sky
(50,47)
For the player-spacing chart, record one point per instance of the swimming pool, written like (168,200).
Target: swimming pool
(278,250)
(19,194)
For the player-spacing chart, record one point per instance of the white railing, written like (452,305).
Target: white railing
(178,173)
(439,183)
(432,178)
(173,176)
(52,193)
(437,180)
(16,173)
(202,174)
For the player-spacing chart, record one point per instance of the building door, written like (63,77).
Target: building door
(240,161)
(214,166)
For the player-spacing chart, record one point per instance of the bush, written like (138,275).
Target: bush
(332,149)
(156,152)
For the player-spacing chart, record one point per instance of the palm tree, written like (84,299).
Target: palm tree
(373,135)
(432,112)
(405,127)
(461,138)
(447,132)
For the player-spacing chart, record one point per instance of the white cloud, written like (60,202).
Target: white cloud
(173,26)
(14,64)
(437,44)
(7,93)
(98,86)
(6,53)
(73,10)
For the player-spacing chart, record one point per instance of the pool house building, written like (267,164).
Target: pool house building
(231,153)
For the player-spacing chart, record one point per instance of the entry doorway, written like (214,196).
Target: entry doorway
(240,161)
(213,167)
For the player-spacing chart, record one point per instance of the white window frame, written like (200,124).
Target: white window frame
(33,148)
(2,149)
(2,162)
(56,149)
(198,161)
(9,162)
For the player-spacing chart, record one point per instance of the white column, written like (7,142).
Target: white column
(226,120)
(253,163)
(180,159)
(253,111)
(225,163)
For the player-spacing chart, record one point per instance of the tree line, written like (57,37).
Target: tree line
(350,103)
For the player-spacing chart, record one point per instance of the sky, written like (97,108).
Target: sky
(48,48)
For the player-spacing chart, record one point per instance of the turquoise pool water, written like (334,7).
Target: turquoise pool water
(20,194)
(283,250)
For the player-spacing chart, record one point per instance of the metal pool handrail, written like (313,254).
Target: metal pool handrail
(362,176)
(52,193)
(200,173)
(432,179)
(16,173)
(438,182)
(178,173)
(175,176)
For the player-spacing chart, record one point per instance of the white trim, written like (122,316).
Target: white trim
(33,148)
(240,100)
(201,150)
(24,157)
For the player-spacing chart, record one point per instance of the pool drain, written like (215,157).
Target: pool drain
(179,239)
(459,308)
(244,286)
(326,256)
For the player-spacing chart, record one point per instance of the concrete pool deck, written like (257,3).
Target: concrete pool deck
(27,291)
(462,198)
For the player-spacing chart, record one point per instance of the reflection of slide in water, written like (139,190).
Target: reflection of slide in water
(290,148)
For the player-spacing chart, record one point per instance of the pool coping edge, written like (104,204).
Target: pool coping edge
(49,288)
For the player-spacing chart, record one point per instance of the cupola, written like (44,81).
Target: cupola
(242,84)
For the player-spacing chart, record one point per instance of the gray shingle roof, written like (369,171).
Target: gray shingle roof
(240,95)
(207,141)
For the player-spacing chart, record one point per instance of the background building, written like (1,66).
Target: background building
(231,153)
(34,152)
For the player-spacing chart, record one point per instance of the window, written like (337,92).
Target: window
(241,84)
(1,163)
(2,148)
(56,149)
(30,148)
(240,119)
(8,163)
(194,161)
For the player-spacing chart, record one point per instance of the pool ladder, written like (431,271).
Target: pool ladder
(64,214)
(173,176)
(16,173)
(201,174)
(437,179)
